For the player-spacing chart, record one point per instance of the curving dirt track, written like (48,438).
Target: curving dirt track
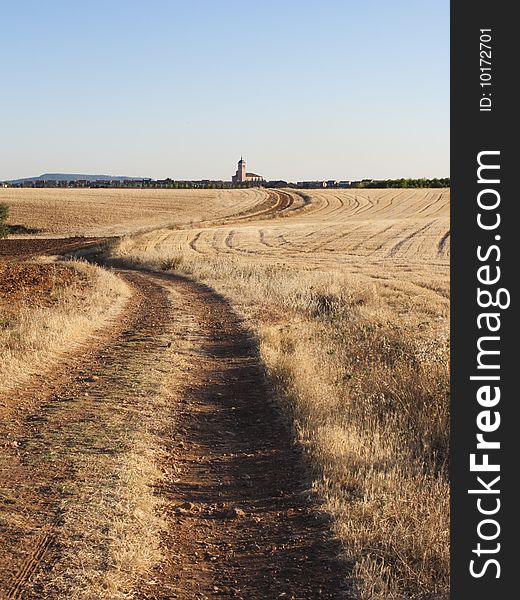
(241,521)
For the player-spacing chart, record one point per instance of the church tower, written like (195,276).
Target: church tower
(241,173)
(242,176)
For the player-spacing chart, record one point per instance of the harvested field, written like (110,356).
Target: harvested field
(349,298)
(101,212)
(395,239)
(290,378)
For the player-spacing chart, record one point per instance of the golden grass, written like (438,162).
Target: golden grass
(35,338)
(350,305)
(396,238)
(108,440)
(100,212)
(114,517)
(114,520)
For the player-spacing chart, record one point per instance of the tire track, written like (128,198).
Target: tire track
(277,204)
(57,428)
(394,251)
(238,482)
(443,243)
(243,522)
(193,242)
(32,562)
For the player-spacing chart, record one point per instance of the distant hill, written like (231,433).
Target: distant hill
(74,177)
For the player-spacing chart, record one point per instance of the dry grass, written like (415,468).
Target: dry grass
(35,337)
(114,520)
(66,212)
(107,439)
(350,305)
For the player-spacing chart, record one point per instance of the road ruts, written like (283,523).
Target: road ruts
(242,521)
(54,428)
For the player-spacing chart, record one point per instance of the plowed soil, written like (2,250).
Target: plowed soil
(35,283)
(25,247)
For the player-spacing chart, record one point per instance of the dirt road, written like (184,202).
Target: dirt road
(181,372)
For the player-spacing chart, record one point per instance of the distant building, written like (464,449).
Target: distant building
(242,176)
(312,184)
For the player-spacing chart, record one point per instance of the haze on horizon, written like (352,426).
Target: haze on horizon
(304,90)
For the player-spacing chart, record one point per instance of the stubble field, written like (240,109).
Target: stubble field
(96,212)
(347,295)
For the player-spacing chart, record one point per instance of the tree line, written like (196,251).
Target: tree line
(404,183)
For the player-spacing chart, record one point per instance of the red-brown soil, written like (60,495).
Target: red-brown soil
(25,247)
(35,283)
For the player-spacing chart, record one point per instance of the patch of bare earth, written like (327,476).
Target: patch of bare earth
(36,283)
(25,247)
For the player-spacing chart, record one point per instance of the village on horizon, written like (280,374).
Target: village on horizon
(241,178)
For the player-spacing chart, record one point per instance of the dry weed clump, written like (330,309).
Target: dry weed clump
(35,332)
(366,387)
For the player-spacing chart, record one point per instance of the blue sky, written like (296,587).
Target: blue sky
(330,89)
